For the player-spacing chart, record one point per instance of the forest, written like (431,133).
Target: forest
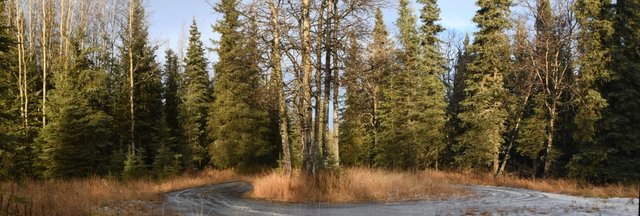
(542,89)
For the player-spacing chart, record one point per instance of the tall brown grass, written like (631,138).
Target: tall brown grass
(351,185)
(560,186)
(84,197)
(89,196)
(366,184)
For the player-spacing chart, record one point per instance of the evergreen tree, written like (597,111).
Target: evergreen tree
(407,139)
(400,145)
(365,92)
(76,139)
(6,39)
(431,102)
(595,62)
(168,158)
(133,166)
(552,64)
(263,97)
(354,134)
(118,108)
(173,100)
(236,124)
(615,156)
(520,103)
(167,161)
(145,97)
(530,140)
(454,124)
(483,112)
(18,155)
(8,111)
(197,100)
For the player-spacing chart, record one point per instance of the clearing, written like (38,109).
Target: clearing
(227,199)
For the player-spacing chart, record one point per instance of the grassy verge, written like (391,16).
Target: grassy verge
(365,184)
(352,185)
(86,196)
(560,186)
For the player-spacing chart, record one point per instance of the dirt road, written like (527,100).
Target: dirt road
(225,199)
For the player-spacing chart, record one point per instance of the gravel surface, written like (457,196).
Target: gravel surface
(225,199)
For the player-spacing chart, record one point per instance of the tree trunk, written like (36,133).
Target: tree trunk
(374,125)
(327,82)
(44,63)
(131,81)
(336,84)
(496,162)
(507,154)
(277,76)
(550,132)
(32,20)
(310,152)
(31,49)
(62,29)
(320,130)
(22,88)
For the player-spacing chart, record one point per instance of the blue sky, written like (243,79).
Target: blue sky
(169,18)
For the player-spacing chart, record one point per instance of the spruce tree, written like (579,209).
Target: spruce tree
(354,134)
(483,112)
(168,159)
(430,99)
(18,129)
(197,100)
(237,126)
(399,146)
(144,86)
(362,118)
(552,64)
(262,96)
(525,121)
(76,139)
(615,156)
(173,99)
(594,39)
(454,124)
(6,115)
(118,107)
(9,121)
(414,110)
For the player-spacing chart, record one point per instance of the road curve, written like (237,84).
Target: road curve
(225,199)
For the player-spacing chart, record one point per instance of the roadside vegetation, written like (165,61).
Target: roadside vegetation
(91,195)
(352,185)
(543,89)
(108,196)
(366,184)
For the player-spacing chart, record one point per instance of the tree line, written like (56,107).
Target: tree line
(550,90)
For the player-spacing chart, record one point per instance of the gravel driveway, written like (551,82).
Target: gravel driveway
(225,199)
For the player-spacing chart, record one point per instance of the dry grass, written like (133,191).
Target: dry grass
(365,184)
(83,197)
(352,185)
(561,186)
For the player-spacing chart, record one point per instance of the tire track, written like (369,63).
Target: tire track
(225,199)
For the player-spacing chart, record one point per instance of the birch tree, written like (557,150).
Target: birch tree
(278,80)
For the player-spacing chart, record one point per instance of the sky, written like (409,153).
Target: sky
(170,20)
